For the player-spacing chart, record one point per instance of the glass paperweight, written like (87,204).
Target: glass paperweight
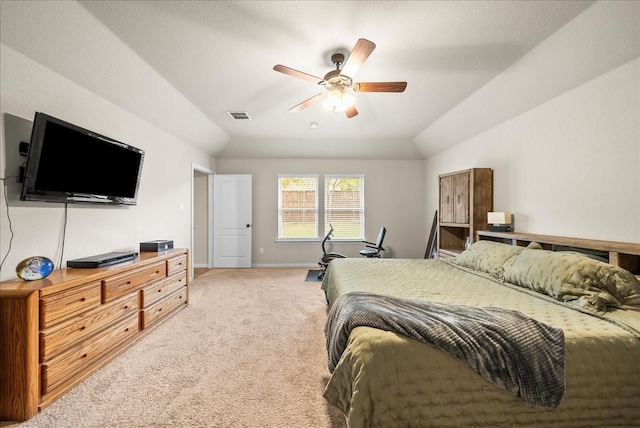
(33,268)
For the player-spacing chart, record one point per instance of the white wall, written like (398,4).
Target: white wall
(570,165)
(394,198)
(27,87)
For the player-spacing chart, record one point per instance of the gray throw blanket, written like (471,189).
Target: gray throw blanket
(514,352)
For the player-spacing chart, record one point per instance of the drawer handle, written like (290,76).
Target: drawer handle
(126,329)
(76,301)
(81,328)
(83,356)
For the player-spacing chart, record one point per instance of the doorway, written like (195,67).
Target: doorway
(201,218)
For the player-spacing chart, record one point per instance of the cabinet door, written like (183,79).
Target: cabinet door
(461,198)
(446,200)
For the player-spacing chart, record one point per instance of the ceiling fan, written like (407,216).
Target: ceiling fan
(336,82)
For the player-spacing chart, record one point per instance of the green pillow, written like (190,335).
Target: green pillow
(590,283)
(487,256)
(534,245)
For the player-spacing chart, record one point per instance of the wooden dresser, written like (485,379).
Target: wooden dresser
(56,331)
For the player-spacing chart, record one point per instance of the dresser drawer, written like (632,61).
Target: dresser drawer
(60,306)
(155,313)
(76,329)
(119,285)
(176,264)
(66,364)
(162,289)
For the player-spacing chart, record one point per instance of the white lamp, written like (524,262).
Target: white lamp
(338,100)
(500,221)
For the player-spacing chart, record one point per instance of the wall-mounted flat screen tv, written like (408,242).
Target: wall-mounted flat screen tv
(70,164)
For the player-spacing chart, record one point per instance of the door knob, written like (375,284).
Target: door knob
(248,225)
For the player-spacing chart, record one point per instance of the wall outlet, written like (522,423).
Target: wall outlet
(261,250)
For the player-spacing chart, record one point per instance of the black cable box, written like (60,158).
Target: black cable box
(156,246)
(101,260)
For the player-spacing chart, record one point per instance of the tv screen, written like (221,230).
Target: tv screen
(67,163)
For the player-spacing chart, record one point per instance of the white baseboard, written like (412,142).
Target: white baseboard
(271,265)
(200,266)
(287,265)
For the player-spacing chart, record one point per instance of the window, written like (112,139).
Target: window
(344,205)
(297,206)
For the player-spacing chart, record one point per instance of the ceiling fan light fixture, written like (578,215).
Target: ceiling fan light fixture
(338,100)
(335,96)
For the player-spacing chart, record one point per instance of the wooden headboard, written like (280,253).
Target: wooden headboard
(623,254)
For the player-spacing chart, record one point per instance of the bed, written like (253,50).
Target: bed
(386,379)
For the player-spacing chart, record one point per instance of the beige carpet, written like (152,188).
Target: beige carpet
(248,351)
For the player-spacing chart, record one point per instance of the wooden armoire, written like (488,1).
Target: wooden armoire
(465,199)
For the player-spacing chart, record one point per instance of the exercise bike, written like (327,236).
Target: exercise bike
(373,250)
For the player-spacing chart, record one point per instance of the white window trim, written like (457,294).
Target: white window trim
(324,207)
(284,239)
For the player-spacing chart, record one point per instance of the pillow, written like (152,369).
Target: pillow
(589,283)
(534,245)
(487,256)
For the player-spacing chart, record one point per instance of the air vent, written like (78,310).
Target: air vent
(238,115)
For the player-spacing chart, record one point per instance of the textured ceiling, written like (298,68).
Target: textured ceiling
(175,62)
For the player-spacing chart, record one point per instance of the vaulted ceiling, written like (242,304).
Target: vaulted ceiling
(183,65)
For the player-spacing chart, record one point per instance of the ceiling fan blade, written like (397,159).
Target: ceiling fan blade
(295,73)
(314,99)
(351,111)
(357,57)
(379,86)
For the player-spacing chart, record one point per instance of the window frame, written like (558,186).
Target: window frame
(326,210)
(280,208)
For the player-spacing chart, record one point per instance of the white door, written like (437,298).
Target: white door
(232,221)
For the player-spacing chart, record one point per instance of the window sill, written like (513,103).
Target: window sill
(298,240)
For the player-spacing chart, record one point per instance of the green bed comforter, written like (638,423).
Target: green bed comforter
(385,379)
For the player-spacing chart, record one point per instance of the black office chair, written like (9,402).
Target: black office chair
(374,249)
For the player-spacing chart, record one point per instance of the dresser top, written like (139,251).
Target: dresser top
(71,277)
